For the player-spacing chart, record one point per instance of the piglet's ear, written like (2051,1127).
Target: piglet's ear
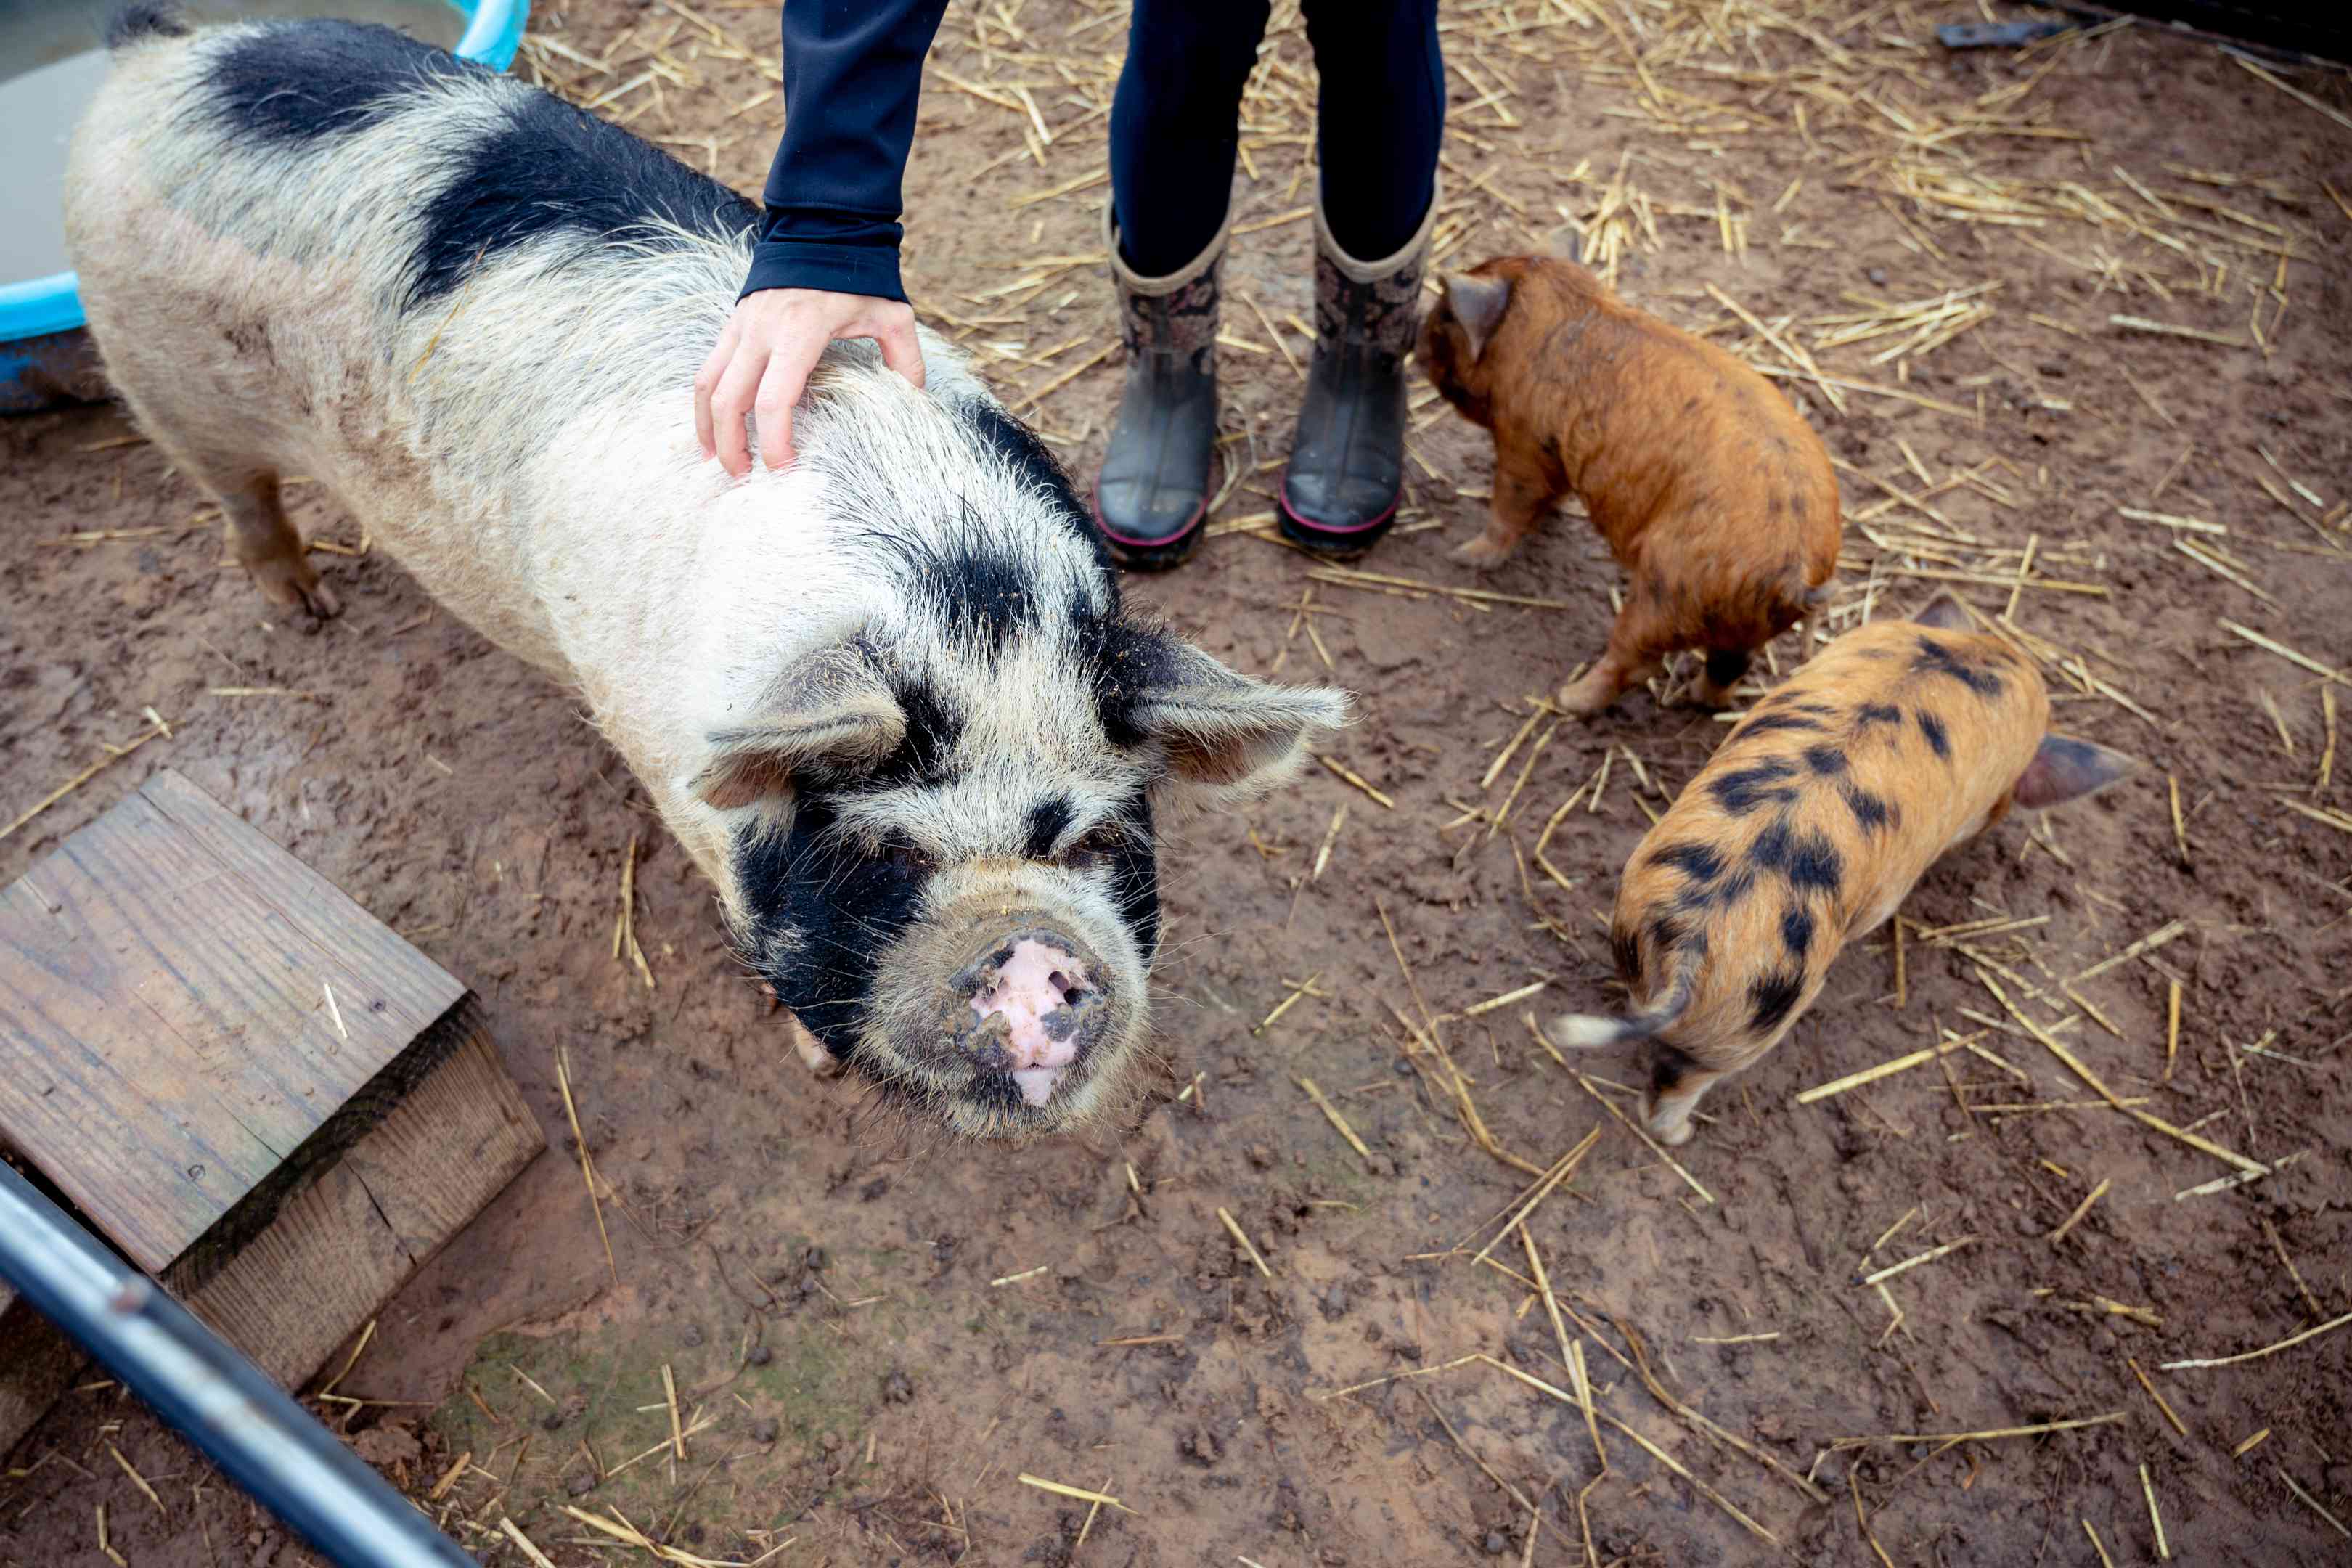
(2066,769)
(1946,614)
(1478,303)
(831,717)
(1225,730)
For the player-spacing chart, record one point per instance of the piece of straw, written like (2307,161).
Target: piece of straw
(1651,1144)
(2152,1394)
(1331,1113)
(1248,1246)
(2148,1486)
(2080,1210)
(587,1167)
(2288,1343)
(2036,1431)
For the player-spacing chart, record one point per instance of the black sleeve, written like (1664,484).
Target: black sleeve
(853,69)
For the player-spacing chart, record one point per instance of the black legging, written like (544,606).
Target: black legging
(1172,124)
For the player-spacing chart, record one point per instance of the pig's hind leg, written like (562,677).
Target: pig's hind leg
(1678,1083)
(267,543)
(1711,687)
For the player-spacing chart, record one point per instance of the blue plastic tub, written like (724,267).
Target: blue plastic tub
(44,356)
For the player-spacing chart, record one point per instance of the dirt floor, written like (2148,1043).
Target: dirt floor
(873,1342)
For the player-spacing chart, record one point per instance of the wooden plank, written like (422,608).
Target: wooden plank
(37,1364)
(164,994)
(173,1066)
(340,1248)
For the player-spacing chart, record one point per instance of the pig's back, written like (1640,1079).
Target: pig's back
(1814,820)
(1698,470)
(321,249)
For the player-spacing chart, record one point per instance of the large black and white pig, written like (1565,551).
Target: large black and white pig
(887,698)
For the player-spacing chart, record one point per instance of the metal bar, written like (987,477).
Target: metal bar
(260,1438)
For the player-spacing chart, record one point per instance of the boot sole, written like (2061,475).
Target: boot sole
(1159,556)
(1326,543)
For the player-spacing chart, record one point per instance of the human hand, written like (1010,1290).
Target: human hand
(763,358)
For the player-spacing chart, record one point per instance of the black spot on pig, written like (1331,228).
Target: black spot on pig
(1797,932)
(1048,820)
(1123,662)
(1765,723)
(1774,996)
(1808,861)
(1667,934)
(299,82)
(1625,948)
(1724,665)
(823,911)
(1742,790)
(1133,868)
(926,752)
(1825,760)
(1871,714)
(1939,740)
(1699,862)
(1669,1068)
(976,585)
(546,168)
(1034,463)
(1941,658)
(1871,813)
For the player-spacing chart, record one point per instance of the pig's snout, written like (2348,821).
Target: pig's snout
(1034,1004)
(1043,996)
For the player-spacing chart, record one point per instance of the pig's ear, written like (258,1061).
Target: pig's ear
(1946,614)
(1478,303)
(832,717)
(1223,730)
(2066,769)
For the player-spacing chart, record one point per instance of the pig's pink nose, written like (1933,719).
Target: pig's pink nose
(1036,992)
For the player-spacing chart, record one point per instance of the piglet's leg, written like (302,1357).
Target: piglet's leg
(1632,655)
(1522,495)
(269,549)
(1711,688)
(1676,1084)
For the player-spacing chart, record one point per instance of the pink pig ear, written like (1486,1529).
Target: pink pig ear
(1946,614)
(2065,769)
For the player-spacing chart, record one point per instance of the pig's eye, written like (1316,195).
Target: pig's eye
(1094,849)
(900,854)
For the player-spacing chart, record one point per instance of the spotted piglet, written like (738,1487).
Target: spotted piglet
(1808,828)
(1713,492)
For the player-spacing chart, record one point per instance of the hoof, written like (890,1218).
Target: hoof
(1482,552)
(293,584)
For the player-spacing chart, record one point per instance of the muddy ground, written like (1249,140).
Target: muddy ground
(872,1337)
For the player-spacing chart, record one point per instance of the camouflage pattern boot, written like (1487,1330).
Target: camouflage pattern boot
(1347,460)
(1153,494)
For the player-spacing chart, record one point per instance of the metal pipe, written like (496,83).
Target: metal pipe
(260,1438)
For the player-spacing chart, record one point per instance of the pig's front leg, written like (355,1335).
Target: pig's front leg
(1524,492)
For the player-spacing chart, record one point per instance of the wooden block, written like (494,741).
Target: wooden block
(257,1091)
(36,1365)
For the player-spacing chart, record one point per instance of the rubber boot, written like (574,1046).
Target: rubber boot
(1347,460)
(1152,497)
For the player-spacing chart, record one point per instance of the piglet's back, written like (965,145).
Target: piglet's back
(1649,389)
(1815,818)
